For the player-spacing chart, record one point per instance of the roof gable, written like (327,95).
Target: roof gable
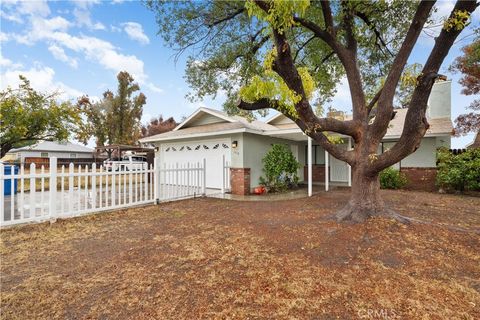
(204,116)
(279,119)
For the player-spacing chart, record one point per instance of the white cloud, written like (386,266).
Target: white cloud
(82,17)
(135,32)
(4,36)
(60,54)
(41,79)
(153,87)
(342,99)
(34,8)
(54,31)
(7,63)
(115,29)
(10,16)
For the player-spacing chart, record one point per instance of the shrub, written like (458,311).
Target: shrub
(391,178)
(458,172)
(280,168)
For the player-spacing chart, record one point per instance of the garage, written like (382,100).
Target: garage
(212,151)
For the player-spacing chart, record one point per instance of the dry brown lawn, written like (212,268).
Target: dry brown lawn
(221,259)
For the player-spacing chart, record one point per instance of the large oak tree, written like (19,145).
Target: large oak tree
(282,54)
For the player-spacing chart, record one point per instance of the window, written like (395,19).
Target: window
(318,155)
(73,155)
(44,154)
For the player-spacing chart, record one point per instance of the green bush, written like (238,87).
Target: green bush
(280,169)
(391,178)
(458,172)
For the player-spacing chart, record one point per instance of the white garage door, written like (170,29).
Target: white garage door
(193,152)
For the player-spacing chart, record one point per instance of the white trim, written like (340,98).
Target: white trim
(200,135)
(204,110)
(309,155)
(428,135)
(327,178)
(298,130)
(274,117)
(349,147)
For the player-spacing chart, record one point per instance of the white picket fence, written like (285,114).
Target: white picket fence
(178,181)
(65,192)
(225,176)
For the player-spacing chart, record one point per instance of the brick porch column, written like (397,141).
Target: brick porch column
(240,180)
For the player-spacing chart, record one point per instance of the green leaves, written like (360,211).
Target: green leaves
(458,21)
(280,168)
(391,178)
(458,172)
(115,119)
(281,12)
(29,115)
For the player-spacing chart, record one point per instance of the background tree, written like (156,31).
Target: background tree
(469,65)
(279,54)
(27,115)
(115,119)
(157,126)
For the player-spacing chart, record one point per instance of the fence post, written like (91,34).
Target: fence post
(70,187)
(204,187)
(156,179)
(52,182)
(94,185)
(223,174)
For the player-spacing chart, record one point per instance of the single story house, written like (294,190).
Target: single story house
(213,135)
(46,149)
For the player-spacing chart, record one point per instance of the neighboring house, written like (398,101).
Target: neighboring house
(46,149)
(214,136)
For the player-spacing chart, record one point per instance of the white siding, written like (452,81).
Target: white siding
(37,154)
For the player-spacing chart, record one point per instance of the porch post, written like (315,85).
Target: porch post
(349,147)
(309,155)
(326,170)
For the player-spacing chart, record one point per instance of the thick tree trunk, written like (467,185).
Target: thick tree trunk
(365,200)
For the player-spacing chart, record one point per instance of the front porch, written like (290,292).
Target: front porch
(318,168)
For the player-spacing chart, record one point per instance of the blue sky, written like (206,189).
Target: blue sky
(78,47)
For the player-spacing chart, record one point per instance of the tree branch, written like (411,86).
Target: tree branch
(258,105)
(385,101)
(303,46)
(416,123)
(328,17)
(378,36)
(226,18)
(374,100)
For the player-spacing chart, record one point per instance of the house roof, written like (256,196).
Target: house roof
(225,124)
(438,126)
(54,146)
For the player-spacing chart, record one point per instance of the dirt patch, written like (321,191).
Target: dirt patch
(212,258)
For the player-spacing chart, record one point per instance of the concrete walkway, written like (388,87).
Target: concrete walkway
(301,192)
